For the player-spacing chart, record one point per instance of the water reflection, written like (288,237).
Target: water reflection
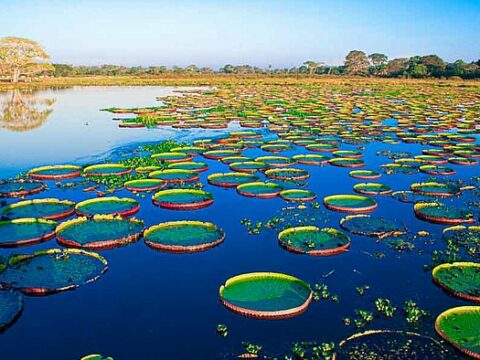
(24,112)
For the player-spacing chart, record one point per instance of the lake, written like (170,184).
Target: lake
(158,305)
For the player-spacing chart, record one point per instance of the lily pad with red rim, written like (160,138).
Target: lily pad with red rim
(183,199)
(107,206)
(314,241)
(25,231)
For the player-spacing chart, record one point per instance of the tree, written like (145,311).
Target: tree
(435,65)
(20,56)
(418,71)
(356,63)
(379,62)
(312,66)
(397,67)
(228,69)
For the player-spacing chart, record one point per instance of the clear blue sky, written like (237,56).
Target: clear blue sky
(261,32)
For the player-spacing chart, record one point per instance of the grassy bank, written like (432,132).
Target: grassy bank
(218,79)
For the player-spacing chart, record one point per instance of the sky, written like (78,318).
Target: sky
(261,32)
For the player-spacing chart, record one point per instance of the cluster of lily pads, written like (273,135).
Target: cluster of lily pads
(289,135)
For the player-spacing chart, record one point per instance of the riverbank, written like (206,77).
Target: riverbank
(220,79)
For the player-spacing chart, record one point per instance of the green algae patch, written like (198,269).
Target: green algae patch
(52,271)
(266,295)
(314,241)
(184,236)
(100,232)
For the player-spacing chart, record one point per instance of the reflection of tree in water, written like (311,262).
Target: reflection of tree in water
(23,112)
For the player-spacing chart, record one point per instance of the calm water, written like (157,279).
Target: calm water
(154,305)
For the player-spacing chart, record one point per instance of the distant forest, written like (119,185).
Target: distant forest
(356,63)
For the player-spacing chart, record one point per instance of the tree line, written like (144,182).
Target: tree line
(24,58)
(356,63)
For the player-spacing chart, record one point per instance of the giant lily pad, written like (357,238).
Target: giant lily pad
(350,203)
(25,231)
(50,209)
(55,172)
(370,226)
(107,170)
(232,179)
(51,271)
(460,326)
(182,199)
(11,306)
(107,206)
(438,213)
(259,189)
(99,232)
(462,279)
(266,295)
(184,236)
(20,188)
(314,241)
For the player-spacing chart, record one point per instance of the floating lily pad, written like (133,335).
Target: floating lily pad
(437,170)
(298,195)
(460,326)
(182,199)
(435,189)
(260,189)
(172,157)
(55,172)
(350,203)
(372,189)
(107,206)
(232,179)
(348,154)
(266,295)
(438,213)
(140,185)
(248,166)
(347,162)
(25,231)
(463,161)
(463,236)
(314,241)
(326,147)
(364,174)
(407,196)
(370,226)
(11,306)
(189,165)
(184,236)
(287,174)
(175,175)
(391,345)
(51,271)
(100,232)
(311,159)
(219,154)
(50,209)
(20,188)
(234,159)
(275,161)
(462,279)
(107,170)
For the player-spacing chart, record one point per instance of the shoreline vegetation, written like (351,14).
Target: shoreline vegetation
(222,79)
